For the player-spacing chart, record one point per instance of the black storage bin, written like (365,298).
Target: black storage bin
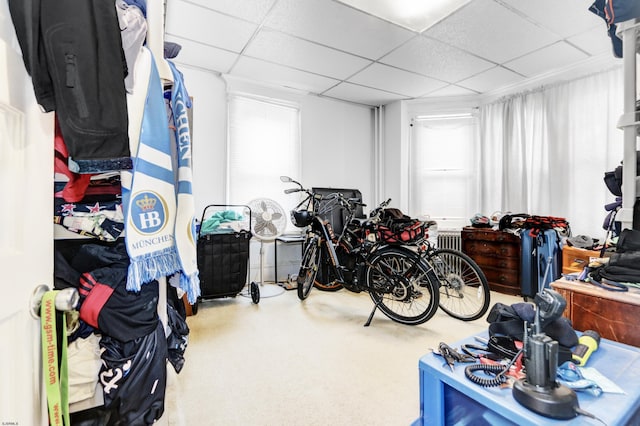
(222,261)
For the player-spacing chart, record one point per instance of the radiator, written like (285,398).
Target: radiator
(450,239)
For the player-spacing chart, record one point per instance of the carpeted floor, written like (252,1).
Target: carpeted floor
(287,362)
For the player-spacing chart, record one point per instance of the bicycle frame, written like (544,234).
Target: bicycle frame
(322,228)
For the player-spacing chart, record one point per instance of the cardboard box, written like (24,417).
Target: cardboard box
(575,259)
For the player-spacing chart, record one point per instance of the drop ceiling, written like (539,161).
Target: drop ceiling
(337,49)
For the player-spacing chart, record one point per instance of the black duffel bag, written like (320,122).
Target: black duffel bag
(621,268)
(628,241)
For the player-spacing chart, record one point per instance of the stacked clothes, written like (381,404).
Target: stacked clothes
(623,267)
(133,346)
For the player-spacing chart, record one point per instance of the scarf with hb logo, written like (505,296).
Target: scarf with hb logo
(185,230)
(149,194)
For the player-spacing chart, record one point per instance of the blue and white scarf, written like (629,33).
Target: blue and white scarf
(149,195)
(185,229)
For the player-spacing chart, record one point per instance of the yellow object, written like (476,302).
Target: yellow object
(587,344)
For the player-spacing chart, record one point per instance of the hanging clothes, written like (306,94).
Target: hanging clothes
(73,52)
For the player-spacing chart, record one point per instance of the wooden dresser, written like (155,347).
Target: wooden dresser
(498,255)
(612,314)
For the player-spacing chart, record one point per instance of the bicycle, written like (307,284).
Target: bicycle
(398,281)
(464,289)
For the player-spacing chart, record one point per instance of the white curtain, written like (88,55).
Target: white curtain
(545,152)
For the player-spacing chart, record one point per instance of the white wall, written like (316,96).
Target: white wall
(209,130)
(337,149)
(395,148)
(337,145)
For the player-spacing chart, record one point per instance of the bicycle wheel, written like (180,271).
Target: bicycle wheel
(311,258)
(401,285)
(464,290)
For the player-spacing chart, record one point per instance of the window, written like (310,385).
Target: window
(443,178)
(263,144)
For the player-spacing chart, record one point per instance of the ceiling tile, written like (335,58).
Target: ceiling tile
(594,41)
(415,15)
(362,95)
(251,10)
(492,79)
(193,22)
(257,70)
(565,18)
(500,35)
(203,56)
(300,54)
(552,57)
(396,80)
(312,45)
(450,90)
(336,25)
(435,59)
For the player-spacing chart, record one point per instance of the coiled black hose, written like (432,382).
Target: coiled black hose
(486,382)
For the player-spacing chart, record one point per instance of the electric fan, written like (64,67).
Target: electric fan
(268,222)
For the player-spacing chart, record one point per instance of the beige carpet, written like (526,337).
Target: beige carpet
(287,362)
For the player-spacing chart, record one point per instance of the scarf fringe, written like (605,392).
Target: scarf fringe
(191,285)
(148,267)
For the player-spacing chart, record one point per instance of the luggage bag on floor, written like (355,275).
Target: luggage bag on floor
(539,250)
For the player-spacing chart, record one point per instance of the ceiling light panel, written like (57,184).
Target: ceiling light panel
(416,15)
(338,26)
(500,35)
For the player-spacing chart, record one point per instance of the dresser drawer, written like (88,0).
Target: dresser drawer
(489,235)
(510,263)
(500,276)
(507,282)
(497,253)
(482,248)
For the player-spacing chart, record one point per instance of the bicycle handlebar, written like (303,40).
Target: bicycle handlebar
(348,203)
(375,213)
